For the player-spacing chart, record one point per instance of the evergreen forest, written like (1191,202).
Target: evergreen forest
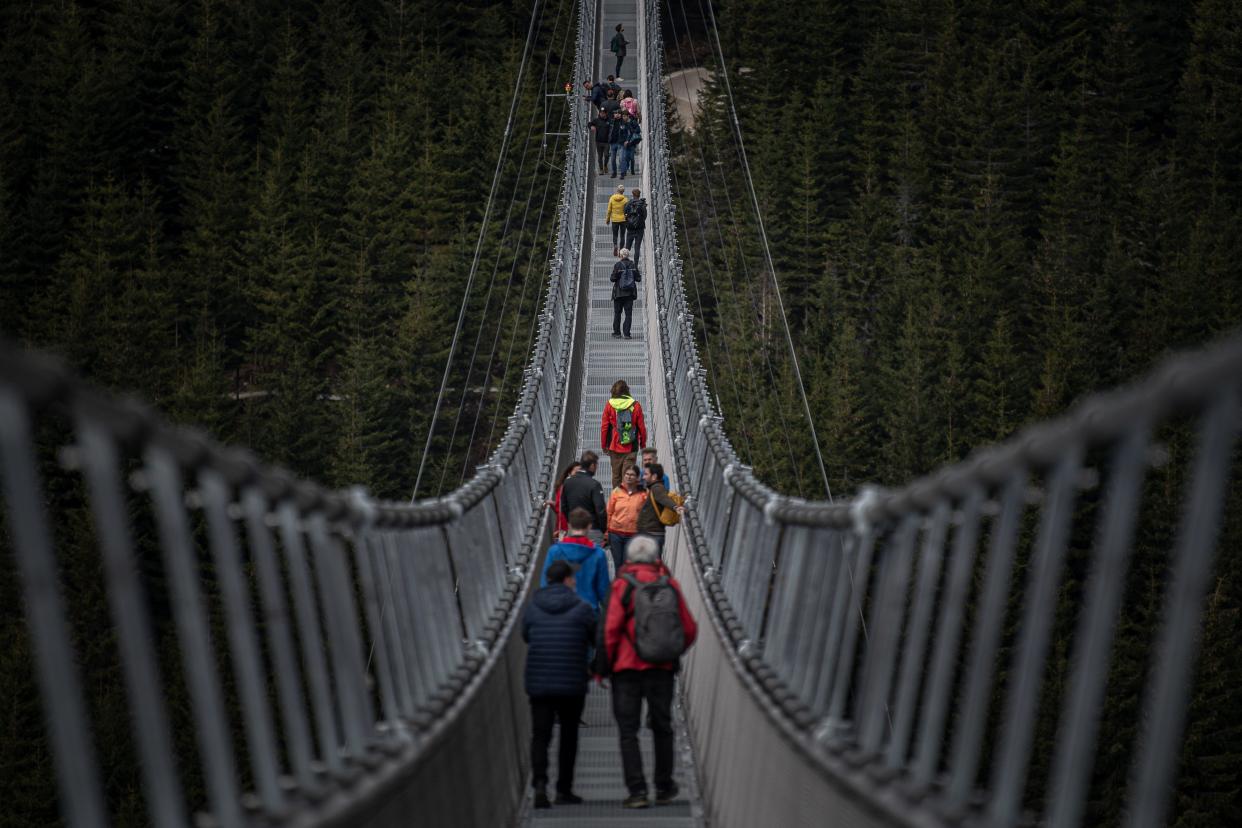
(977,213)
(269,219)
(261,217)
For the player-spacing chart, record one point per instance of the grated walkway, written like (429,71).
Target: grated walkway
(598,776)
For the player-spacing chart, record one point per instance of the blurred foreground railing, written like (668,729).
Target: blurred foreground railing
(900,642)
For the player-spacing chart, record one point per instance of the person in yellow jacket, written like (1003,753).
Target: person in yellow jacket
(614,214)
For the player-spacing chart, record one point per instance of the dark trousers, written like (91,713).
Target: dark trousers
(618,233)
(544,711)
(601,151)
(624,305)
(620,60)
(616,545)
(633,239)
(629,688)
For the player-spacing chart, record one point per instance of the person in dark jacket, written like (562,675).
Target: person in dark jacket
(582,490)
(588,560)
(648,520)
(635,222)
(602,127)
(598,92)
(629,146)
(559,628)
(618,45)
(634,679)
(625,278)
(616,150)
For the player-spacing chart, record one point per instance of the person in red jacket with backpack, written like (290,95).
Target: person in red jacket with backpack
(622,433)
(647,627)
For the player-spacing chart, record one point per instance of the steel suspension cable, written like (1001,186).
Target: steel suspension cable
(487,299)
(702,235)
(763,233)
(530,262)
(728,267)
(478,248)
(746,278)
(517,253)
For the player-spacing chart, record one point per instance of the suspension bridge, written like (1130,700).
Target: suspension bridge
(369,673)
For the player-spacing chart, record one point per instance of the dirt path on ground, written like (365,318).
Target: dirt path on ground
(685,86)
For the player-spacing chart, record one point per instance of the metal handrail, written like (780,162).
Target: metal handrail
(846,620)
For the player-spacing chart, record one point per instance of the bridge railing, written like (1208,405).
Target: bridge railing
(338,659)
(900,641)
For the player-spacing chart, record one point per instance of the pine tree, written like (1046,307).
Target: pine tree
(845,426)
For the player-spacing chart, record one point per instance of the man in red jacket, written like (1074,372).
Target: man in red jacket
(634,679)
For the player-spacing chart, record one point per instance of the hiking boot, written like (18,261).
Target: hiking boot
(666,797)
(638,800)
(616,335)
(541,799)
(568,799)
(614,175)
(627,336)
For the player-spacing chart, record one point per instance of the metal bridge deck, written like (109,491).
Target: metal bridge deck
(598,776)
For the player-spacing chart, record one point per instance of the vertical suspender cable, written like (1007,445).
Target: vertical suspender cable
(767,252)
(478,248)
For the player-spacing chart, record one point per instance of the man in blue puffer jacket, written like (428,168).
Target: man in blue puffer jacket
(559,627)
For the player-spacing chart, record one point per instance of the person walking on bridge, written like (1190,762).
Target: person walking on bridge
(622,431)
(624,504)
(625,278)
(646,629)
(559,628)
(582,491)
(597,92)
(650,456)
(614,215)
(630,104)
(562,517)
(635,222)
(657,498)
(631,136)
(617,47)
(617,136)
(588,560)
(602,127)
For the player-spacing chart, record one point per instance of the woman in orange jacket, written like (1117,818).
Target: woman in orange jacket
(624,505)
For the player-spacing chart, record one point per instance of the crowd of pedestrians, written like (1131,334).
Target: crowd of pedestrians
(629,628)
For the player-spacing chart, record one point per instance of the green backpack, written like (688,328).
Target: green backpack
(625,425)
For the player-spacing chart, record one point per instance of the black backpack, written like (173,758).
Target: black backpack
(636,214)
(626,281)
(659,636)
